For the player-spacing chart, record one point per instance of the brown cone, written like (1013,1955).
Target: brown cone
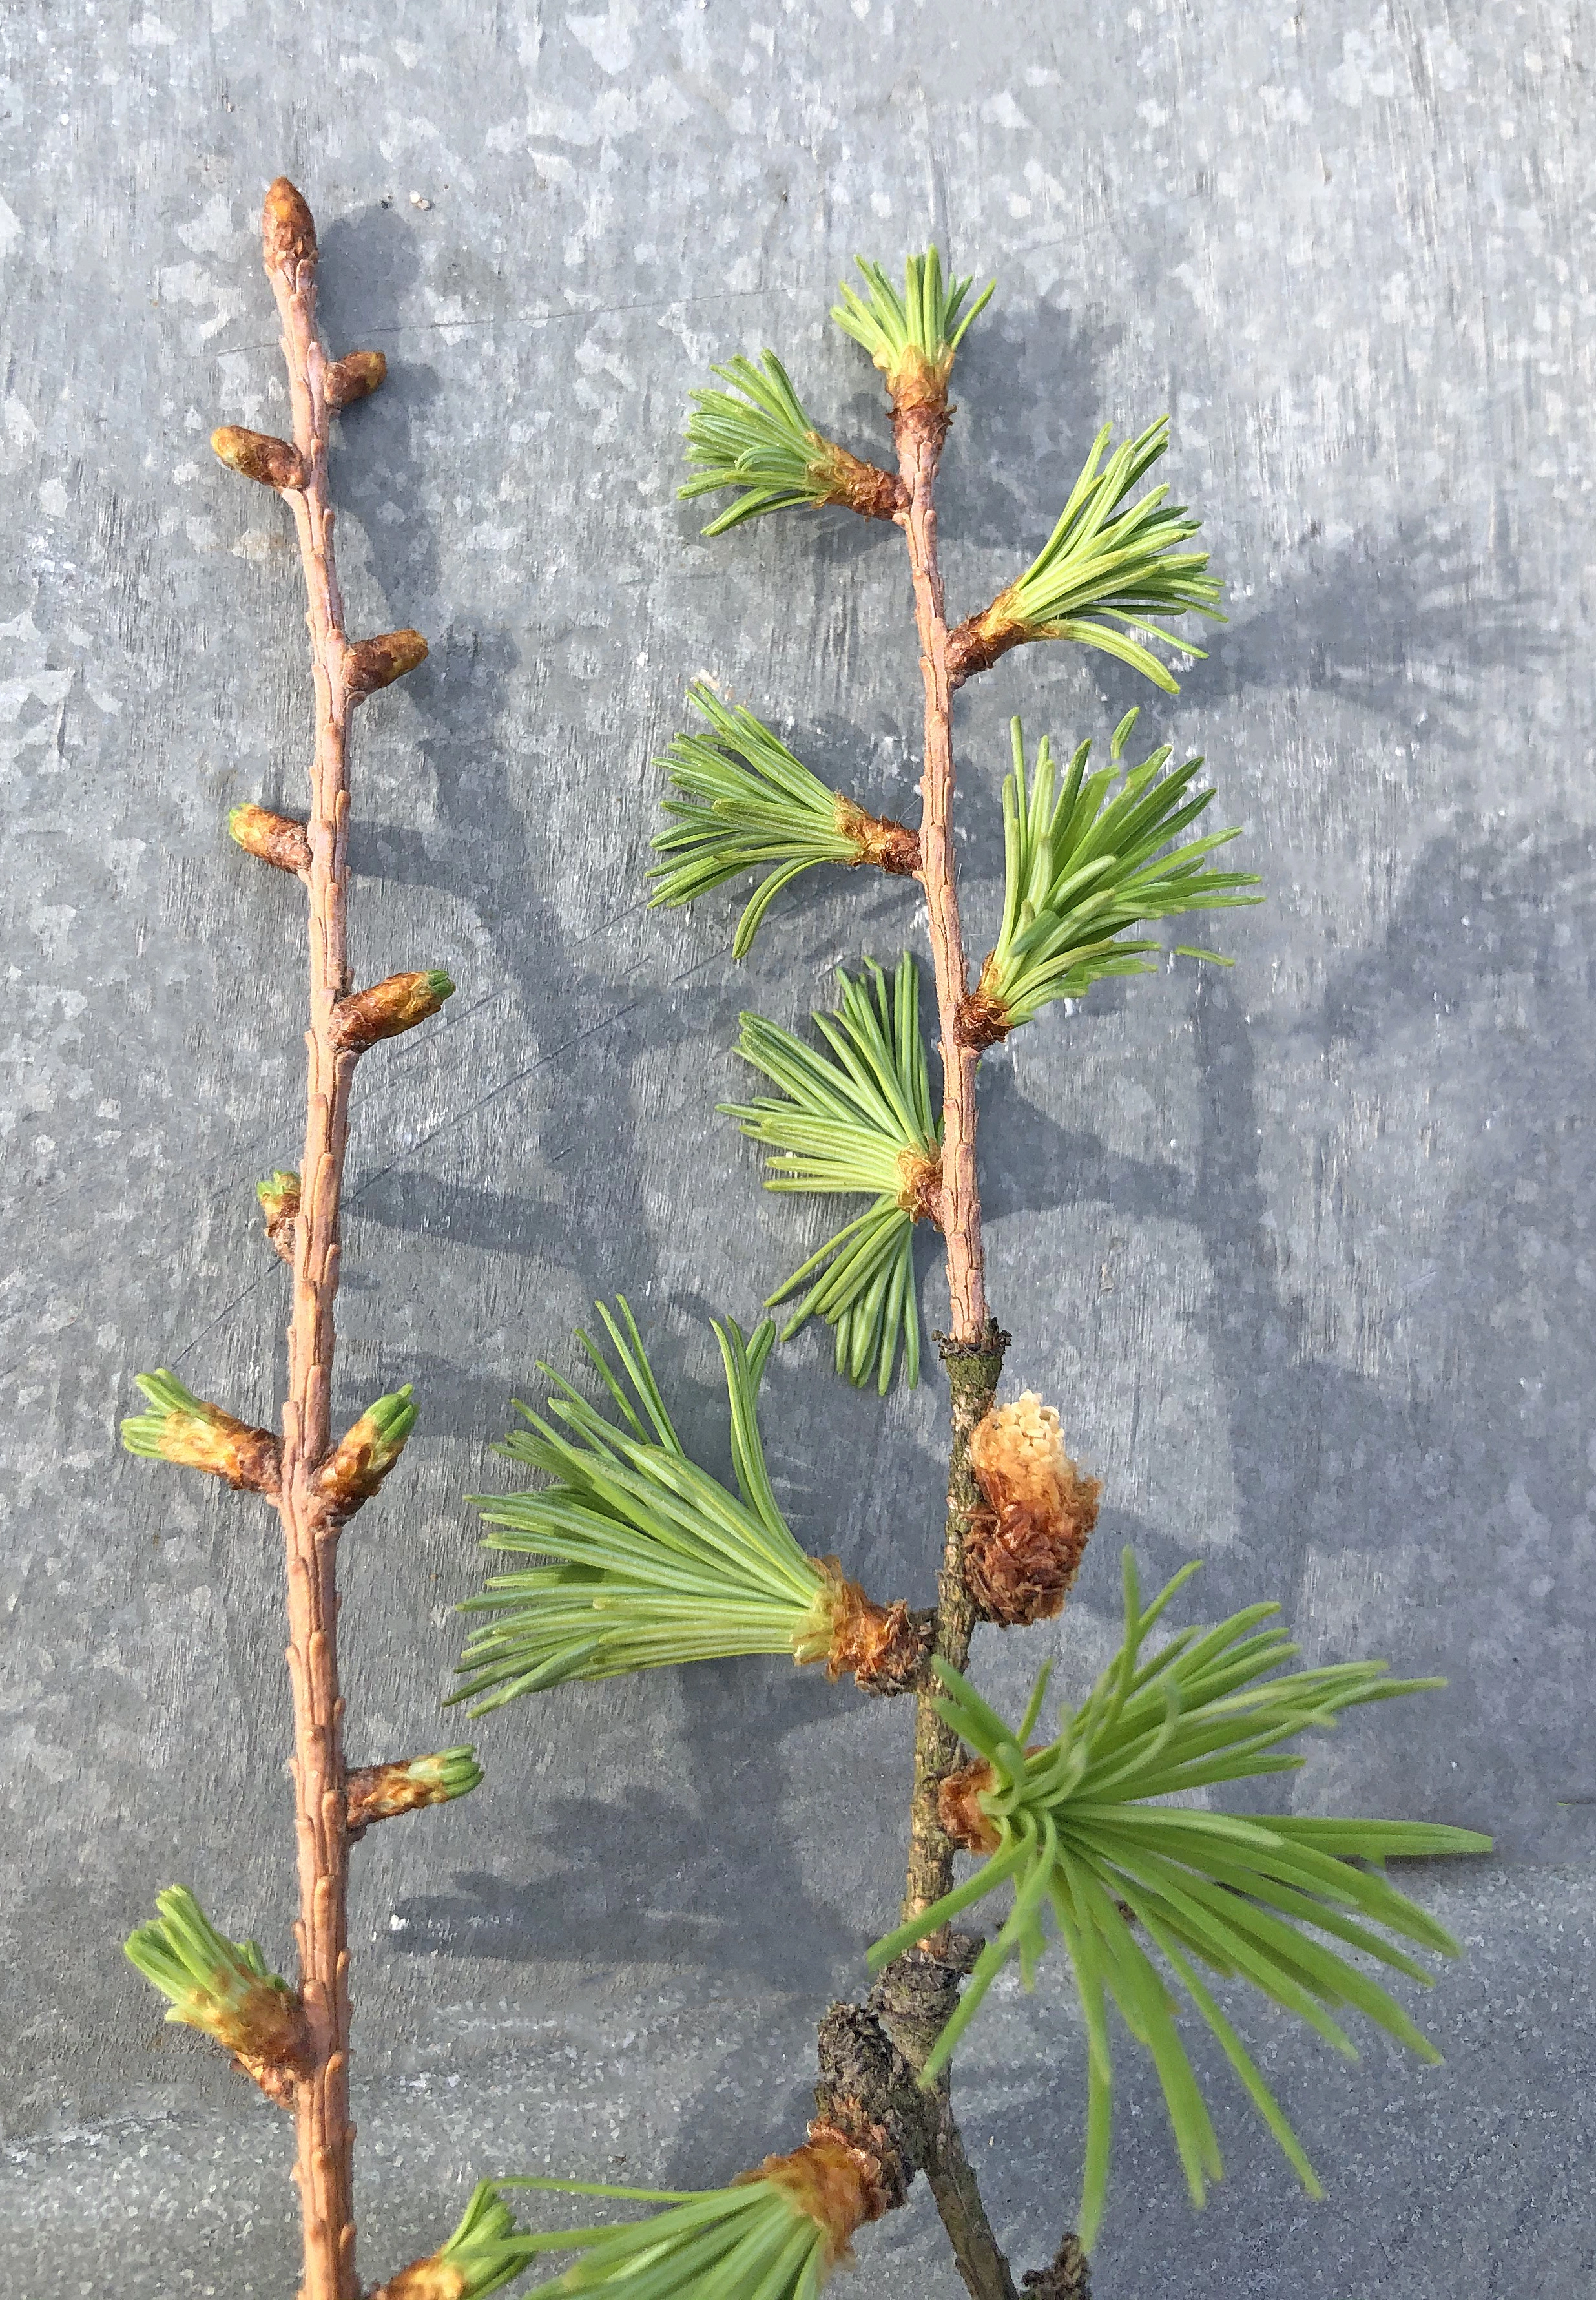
(1022,1551)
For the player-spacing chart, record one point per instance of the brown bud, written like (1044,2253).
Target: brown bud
(277,2083)
(917,382)
(882,1647)
(197,1434)
(356,376)
(432,2279)
(280,1210)
(959,1812)
(920,1186)
(275,463)
(892,847)
(1067,2277)
(382,1792)
(839,2186)
(371,663)
(276,838)
(1024,1549)
(981,1019)
(388,1008)
(976,643)
(841,478)
(287,229)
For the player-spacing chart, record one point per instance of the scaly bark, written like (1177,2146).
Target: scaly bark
(324,2169)
(972,1352)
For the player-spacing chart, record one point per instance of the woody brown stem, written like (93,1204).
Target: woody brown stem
(325,2135)
(973,1351)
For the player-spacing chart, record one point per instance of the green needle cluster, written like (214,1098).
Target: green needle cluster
(754,2241)
(856,1117)
(745,801)
(1104,571)
(757,438)
(220,1986)
(1081,868)
(656,1562)
(910,337)
(1075,1829)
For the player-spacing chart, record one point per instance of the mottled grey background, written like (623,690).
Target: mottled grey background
(1302,1250)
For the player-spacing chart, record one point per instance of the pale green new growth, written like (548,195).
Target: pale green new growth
(917,331)
(761,443)
(857,1117)
(658,1562)
(754,2241)
(1081,868)
(223,1987)
(1080,1836)
(1103,572)
(745,801)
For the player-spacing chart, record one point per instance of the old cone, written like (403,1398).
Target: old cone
(1023,1549)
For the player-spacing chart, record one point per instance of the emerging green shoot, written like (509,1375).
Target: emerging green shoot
(485,2253)
(746,802)
(367,1452)
(856,1118)
(757,438)
(910,337)
(1075,1829)
(381,1792)
(658,1562)
(220,1986)
(1102,573)
(196,1435)
(1081,868)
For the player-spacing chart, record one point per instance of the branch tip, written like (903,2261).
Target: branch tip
(287,230)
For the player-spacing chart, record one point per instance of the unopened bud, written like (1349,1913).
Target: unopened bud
(371,663)
(1024,1549)
(276,838)
(892,847)
(380,1792)
(185,1430)
(287,229)
(882,1647)
(356,376)
(388,1008)
(280,1204)
(222,1988)
(275,463)
(362,1460)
